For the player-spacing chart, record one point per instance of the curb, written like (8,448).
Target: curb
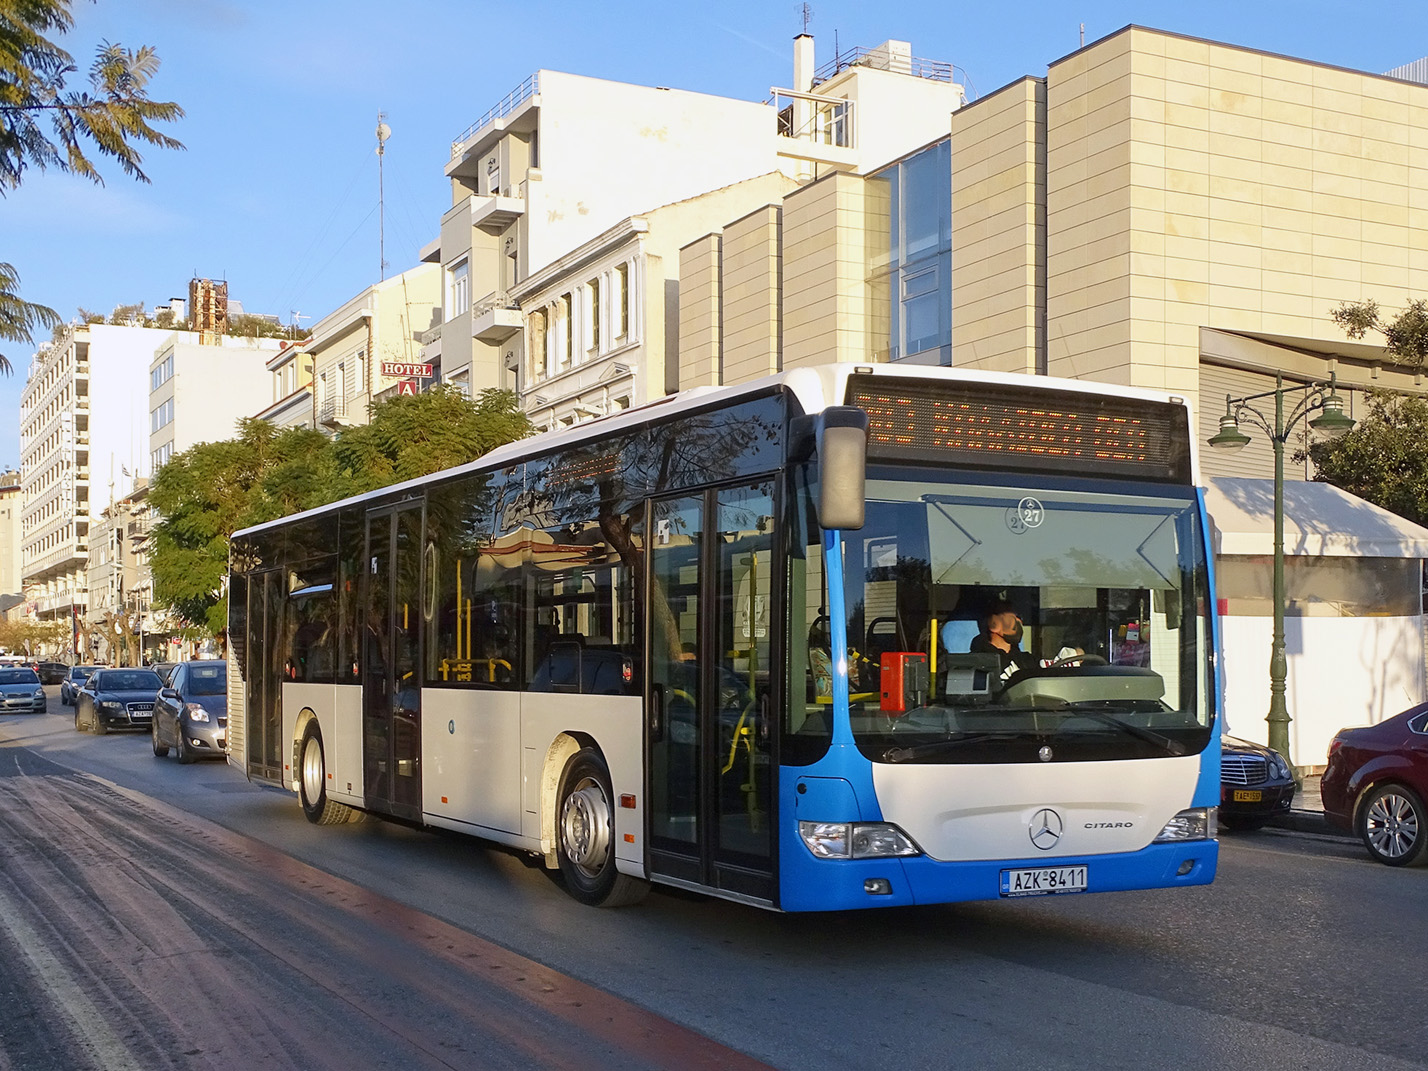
(1308,822)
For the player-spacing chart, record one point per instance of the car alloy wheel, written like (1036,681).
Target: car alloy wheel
(1394,826)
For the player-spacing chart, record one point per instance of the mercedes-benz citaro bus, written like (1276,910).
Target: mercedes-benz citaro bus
(848,636)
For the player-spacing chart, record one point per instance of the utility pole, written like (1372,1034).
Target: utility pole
(383,133)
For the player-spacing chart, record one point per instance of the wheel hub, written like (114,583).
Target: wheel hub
(585,828)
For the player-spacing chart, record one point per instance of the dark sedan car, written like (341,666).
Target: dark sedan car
(1376,784)
(52,672)
(191,712)
(73,682)
(1256,784)
(116,699)
(20,691)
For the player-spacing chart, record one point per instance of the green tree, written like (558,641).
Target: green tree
(210,491)
(44,123)
(207,493)
(1384,459)
(1405,336)
(416,434)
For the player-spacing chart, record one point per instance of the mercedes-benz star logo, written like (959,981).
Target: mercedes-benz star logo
(1045,829)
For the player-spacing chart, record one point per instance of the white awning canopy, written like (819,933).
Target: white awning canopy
(1319,520)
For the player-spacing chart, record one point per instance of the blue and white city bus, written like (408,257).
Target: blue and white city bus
(737,641)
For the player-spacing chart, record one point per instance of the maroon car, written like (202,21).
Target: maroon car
(1376,785)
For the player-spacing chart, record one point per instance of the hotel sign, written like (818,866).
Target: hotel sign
(406,371)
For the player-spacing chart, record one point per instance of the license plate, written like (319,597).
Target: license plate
(1044,881)
(1248,795)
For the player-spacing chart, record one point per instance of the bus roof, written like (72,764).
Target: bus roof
(816,387)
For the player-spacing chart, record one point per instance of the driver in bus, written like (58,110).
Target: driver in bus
(1001,634)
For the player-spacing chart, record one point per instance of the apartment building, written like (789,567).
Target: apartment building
(10,533)
(198,393)
(370,346)
(120,621)
(544,182)
(83,415)
(290,378)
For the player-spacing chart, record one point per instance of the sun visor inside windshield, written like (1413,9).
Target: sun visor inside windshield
(1036,542)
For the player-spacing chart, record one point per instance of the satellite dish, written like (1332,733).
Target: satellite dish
(383,131)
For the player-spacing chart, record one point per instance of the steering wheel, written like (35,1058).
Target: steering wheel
(1083,659)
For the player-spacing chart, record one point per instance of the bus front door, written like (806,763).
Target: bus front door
(391,688)
(710,629)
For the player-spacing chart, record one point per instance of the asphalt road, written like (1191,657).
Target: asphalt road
(179,917)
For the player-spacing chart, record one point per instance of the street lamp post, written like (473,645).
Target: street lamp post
(1332,423)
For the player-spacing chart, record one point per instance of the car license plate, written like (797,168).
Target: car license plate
(1044,881)
(1248,795)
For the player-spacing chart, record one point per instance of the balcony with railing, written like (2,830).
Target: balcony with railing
(885,59)
(332,411)
(495,318)
(814,126)
(502,108)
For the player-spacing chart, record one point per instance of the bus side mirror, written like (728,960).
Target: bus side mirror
(843,461)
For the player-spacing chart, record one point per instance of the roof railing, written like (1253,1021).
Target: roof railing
(502,108)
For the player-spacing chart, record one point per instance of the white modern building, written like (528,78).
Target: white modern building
(84,415)
(10,533)
(198,393)
(540,180)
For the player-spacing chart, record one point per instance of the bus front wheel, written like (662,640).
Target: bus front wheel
(312,782)
(585,835)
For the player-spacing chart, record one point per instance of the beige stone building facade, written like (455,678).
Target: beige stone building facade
(1182,214)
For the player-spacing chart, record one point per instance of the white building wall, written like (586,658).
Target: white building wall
(119,359)
(212,387)
(1342,671)
(608,150)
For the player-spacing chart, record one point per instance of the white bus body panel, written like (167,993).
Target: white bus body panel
(470,757)
(346,785)
(985,811)
(615,723)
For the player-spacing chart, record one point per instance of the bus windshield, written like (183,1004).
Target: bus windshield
(1020,620)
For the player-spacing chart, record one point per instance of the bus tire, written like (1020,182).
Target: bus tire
(585,835)
(312,782)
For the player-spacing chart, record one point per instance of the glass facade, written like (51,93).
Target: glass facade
(910,257)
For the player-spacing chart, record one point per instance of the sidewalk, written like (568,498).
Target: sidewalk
(1306,812)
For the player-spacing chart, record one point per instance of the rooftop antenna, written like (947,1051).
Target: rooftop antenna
(296,317)
(806,13)
(383,133)
(1083,35)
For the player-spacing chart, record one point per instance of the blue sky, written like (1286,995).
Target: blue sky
(277,188)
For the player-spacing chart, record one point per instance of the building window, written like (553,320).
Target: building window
(912,281)
(564,331)
(622,300)
(536,326)
(458,290)
(592,335)
(162,373)
(162,416)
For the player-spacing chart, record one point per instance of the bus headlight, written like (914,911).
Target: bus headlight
(1198,823)
(856,840)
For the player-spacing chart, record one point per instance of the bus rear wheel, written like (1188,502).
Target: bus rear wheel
(585,835)
(312,782)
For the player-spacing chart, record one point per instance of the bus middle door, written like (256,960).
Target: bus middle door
(391,664)
(710,631)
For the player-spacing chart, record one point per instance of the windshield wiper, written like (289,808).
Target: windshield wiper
(1173,747)
(952,743)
